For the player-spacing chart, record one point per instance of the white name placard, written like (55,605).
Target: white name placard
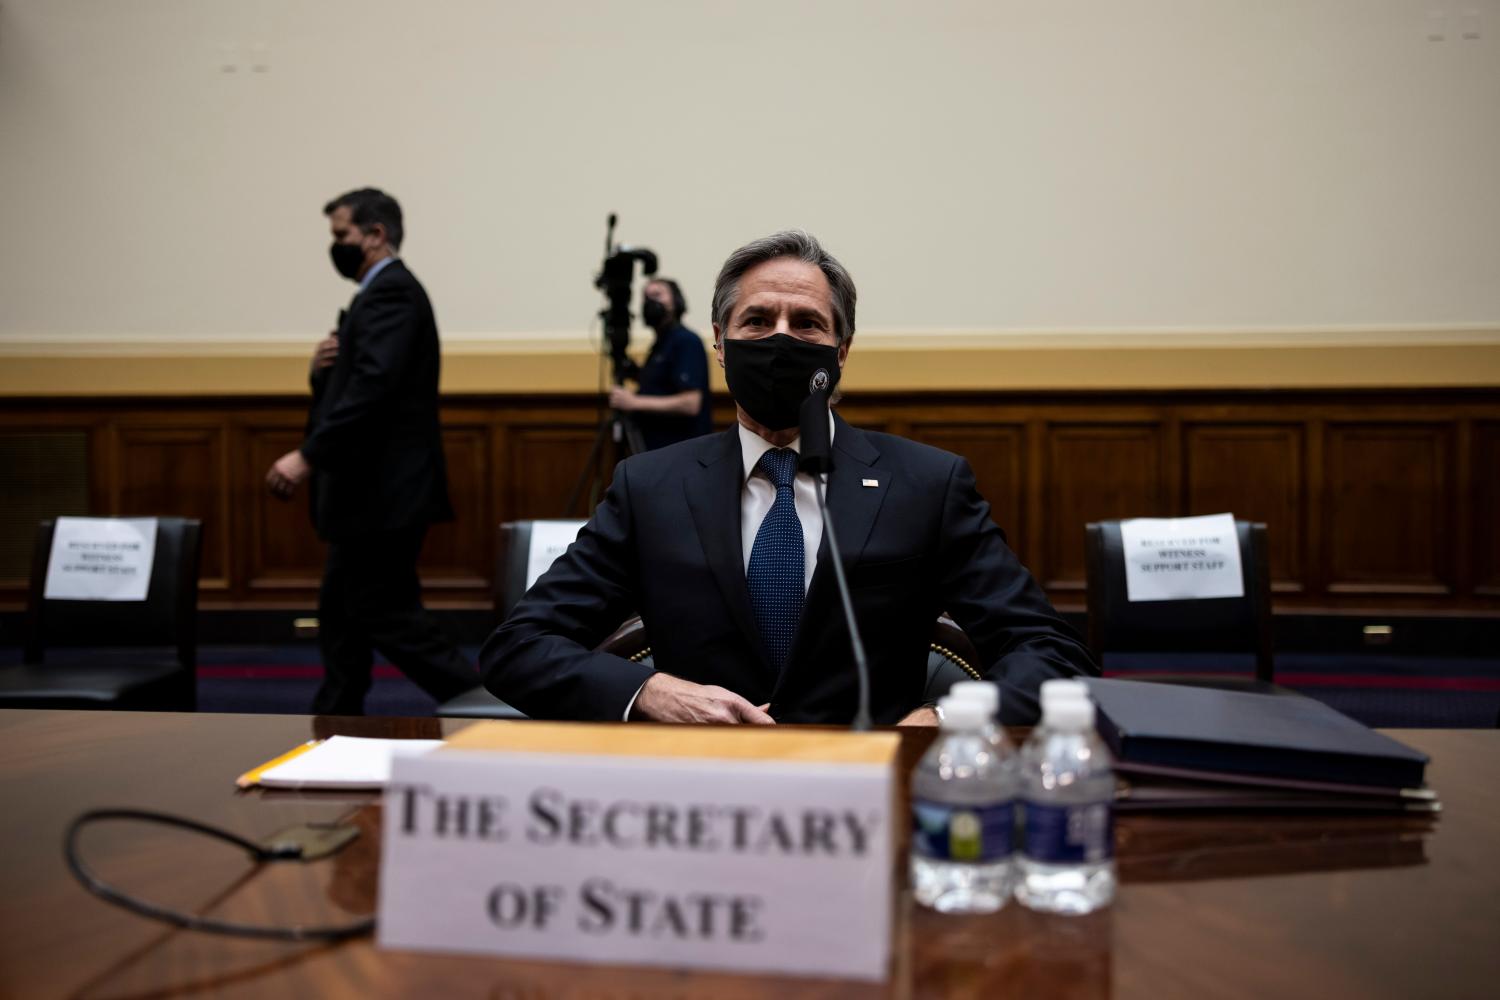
(1181,558)
(749,865)
(549,539)
(101,559)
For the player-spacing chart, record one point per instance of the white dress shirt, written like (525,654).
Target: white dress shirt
(758,493)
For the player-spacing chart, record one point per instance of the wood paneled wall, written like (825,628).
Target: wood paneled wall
(1375,500)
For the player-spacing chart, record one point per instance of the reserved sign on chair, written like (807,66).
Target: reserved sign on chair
(1181,558)
(549,539)
(101,559)
(747,849)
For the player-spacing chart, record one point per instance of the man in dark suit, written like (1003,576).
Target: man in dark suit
(374,454)
(718,545)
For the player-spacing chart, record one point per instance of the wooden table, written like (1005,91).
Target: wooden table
(1210,906)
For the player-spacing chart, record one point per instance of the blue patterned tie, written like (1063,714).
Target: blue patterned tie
(776,560)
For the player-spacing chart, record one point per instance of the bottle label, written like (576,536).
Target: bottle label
(974,834)
(1070,834)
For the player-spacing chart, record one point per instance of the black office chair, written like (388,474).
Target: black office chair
(512,559)
(113,654)
(951,658)
(1211,625)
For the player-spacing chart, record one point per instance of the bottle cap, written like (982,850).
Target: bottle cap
(963,713)
(1063,687)
(987,693)
(1070,714)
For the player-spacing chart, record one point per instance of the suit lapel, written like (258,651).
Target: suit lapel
(853,504)
(713,496)
(853,508)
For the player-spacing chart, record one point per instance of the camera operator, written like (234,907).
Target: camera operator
(671,404)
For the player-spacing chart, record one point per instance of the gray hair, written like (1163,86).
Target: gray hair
(789,243)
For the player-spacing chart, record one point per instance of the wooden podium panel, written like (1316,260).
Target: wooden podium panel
(1096,471)
(1376,500)
(1386,527)
(1216,457)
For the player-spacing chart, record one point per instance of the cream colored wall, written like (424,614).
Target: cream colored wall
(988,169)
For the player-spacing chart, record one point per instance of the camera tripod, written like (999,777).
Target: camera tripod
(615,426)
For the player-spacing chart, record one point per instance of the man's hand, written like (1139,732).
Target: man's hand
(286,474)
(665,698)
(623,399)
(924,716)
(327,351)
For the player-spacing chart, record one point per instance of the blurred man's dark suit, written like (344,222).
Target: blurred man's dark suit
(666,543)
(378,481)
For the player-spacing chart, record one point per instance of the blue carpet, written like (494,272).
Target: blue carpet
(283,680)
(1378,689)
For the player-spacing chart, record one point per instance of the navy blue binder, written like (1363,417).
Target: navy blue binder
(1235,732)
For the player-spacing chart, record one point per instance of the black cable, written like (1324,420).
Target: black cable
(188,921)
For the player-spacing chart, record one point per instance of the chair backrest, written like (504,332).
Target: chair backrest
(513,559)
(951,655)
(951,658)
(1219,624)
(167,617)
(629,641)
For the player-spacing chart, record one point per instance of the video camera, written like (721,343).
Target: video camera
(614,280)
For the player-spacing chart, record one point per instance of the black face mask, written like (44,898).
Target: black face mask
(770,377)
(347,257)
(653,314)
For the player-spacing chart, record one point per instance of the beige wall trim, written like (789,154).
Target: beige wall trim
(893,360)
(1183,337)
(117,344)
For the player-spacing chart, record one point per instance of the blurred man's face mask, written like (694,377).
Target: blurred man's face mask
(347,258)
(770,376)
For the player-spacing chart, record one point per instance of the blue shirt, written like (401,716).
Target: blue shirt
(375,269)
(677,363)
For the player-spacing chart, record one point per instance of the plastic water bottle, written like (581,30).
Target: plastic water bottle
(1067,791)
(987,693)
(963,816)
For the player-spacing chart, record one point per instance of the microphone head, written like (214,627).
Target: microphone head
(817,448)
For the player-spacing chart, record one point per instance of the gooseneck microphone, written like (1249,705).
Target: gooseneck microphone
(816,459)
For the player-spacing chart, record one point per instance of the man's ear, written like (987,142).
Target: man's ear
(719,345)
(377,230)
(844,349)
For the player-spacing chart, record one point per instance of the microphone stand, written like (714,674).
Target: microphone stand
(817,458)
(861,721)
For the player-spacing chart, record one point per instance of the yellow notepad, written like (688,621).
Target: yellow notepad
(252,776)
(346,762)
